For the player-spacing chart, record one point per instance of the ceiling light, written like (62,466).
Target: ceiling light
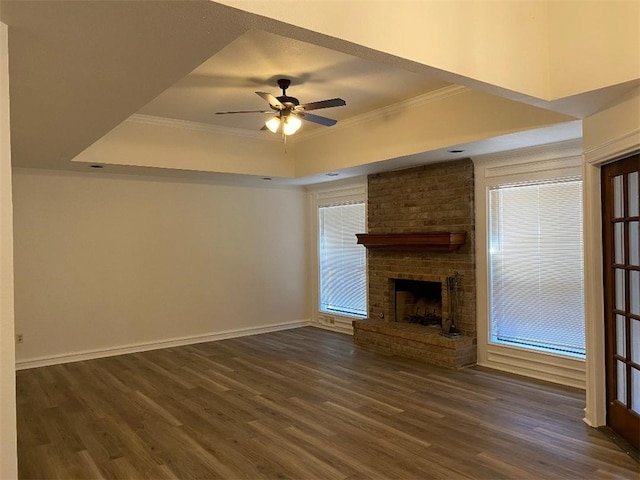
(273,124)
(291,125)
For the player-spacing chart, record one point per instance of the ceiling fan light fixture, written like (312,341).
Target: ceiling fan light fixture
(291,125)
(290,112)
(273,124)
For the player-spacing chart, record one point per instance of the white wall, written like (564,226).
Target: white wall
(617,127)
(105,262)
(609,134)
(8,447)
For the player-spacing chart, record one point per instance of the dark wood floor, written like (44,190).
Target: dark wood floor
(300,404)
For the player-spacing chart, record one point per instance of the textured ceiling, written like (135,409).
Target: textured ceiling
(253,62)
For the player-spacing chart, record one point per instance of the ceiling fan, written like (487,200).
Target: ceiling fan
(289,111)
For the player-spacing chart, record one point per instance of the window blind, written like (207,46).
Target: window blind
(536,266)
(342,261)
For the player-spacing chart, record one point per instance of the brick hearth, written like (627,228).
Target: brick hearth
(431,198)
(415,341)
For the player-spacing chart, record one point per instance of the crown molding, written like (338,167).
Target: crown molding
(415,102)
(411,103)
(199,126)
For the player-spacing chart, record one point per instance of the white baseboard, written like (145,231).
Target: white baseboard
(155,345)
(339,325)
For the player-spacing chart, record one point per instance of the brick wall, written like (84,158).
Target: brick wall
(436,197)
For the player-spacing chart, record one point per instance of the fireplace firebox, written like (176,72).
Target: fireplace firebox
(418,302)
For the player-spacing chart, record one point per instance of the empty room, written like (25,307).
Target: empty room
(358,239)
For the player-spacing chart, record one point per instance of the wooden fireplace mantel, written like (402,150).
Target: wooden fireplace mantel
(433,241)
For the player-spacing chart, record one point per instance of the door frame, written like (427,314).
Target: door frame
(593,159)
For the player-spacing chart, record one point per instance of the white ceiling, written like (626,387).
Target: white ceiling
(253,62)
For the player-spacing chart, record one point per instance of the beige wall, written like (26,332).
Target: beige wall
(104,262)
(594,44)
(560,48)
(8,452)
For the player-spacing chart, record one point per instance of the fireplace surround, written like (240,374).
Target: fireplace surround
(434,201)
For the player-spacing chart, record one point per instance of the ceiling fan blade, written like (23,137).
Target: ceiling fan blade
(327,122)
(273,101)
(245,111)
(333,102)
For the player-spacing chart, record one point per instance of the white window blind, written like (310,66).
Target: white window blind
(342,261)
(536,268)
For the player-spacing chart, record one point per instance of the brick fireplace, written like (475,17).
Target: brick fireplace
(423,200)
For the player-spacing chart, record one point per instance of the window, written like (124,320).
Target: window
(342,262)
(536,266)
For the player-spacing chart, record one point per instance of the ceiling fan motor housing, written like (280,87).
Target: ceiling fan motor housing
(288,101)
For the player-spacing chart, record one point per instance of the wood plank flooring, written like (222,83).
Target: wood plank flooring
(300,404)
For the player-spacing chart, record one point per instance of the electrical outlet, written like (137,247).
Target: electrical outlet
(19,338)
